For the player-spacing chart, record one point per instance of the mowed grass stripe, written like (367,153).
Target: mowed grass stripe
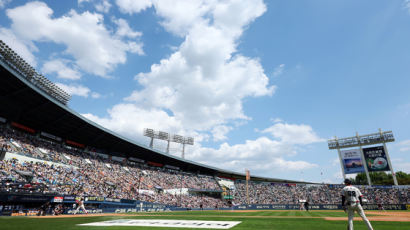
(295,213)
(249,222)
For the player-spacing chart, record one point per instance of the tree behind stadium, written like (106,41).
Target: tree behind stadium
(382,178)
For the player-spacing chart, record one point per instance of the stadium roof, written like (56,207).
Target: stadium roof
(24,103)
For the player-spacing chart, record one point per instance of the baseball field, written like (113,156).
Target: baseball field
(244,220)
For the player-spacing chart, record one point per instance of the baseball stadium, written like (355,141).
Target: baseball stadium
(62,171)
(198,69)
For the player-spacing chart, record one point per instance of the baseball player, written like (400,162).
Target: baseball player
(80,204)
(351,202)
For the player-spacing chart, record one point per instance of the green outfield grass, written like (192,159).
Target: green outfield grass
(280,220)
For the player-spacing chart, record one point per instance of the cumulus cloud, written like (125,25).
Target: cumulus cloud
(103,6)
(199,89)
(219,132)
(74,89)
(95,49)
(293,133)
(124,29)
(78,90)
(130,120)
(132,6)
(95,95)
(262,156)
(204,81)
(59,67)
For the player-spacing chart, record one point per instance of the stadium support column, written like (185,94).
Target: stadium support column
(151,144)
(366,170)
(388,158)
(169,140)
(183,151)
(248,177)
(341,161)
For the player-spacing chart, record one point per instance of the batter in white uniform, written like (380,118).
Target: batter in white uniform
(351,202)
(80,205)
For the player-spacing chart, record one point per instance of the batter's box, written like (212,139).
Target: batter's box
(167,223)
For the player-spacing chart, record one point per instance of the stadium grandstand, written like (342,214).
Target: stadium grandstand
(50,155)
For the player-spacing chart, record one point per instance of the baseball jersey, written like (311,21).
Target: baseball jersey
(351,194)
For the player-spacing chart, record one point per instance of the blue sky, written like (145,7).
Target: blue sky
(259,84)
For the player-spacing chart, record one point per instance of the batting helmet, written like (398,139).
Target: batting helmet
(348,181)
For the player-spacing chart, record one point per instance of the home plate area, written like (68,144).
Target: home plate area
(167,223)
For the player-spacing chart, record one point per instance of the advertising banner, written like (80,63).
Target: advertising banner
(58,199)
(376,159)
(352,161)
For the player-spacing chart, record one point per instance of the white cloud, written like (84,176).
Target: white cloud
(276,120)
(74,89)
(132,6)
(95,95)
(180,16)
(219,132)
(262,156)
(404,146)
(103,6)
(59,66)
(22,47)
(203,83)
(130,121)
(294,134)
(95,49)
(124,29)
(200,88)
(3,3)
(279,70)
(79,90)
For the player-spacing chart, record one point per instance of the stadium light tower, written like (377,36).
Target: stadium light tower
(167,137)
(150,133)
(184,141)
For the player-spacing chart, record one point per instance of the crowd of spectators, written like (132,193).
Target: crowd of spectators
(66,170)
(69,170)
(271,193)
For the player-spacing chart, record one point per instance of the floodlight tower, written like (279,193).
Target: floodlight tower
(150,133)
(187,141)
(167,137)
(164,136)
(184,141)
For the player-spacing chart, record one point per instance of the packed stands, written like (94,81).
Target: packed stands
(274,193)
(57,168)
(67,170)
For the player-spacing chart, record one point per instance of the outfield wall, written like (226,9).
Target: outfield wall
(18,204)
(317,207)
